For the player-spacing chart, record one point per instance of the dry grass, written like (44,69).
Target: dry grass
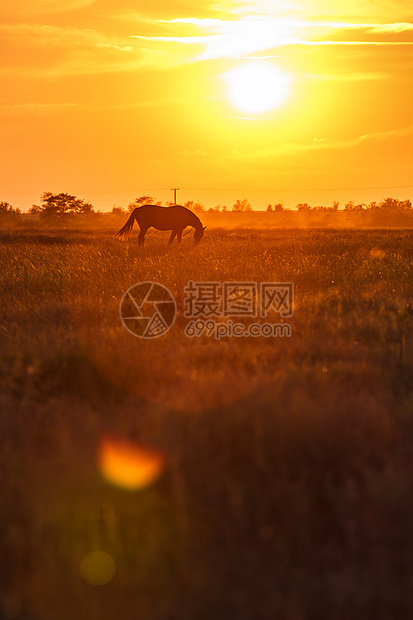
(288,484)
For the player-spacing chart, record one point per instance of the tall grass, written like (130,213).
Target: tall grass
(287,486)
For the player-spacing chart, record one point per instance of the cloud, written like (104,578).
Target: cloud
(36,108)
(38,50)
(353,43)
(317,144)
(232,38)
(227,38)
(44,50)
(381,10)
(397,27)
(347,77)
(26,8)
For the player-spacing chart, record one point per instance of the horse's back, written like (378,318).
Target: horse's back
(164,218)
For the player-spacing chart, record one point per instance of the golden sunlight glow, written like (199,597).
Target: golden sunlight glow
(127,465)
(257,87)
(176,73)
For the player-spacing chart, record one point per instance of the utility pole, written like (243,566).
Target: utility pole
(174,190)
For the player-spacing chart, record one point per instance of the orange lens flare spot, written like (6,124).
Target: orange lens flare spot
(97,568)
(377,253)
(129,466)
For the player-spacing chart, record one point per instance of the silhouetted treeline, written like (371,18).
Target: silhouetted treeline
(67,210)
(7,212)
(387,205)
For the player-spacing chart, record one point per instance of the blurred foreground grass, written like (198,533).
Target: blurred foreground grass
(288,478)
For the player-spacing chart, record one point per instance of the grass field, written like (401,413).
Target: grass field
(288,477)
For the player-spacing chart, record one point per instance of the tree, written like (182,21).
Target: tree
(118,210)
(197,207)
(393,204)
(6,210)
(269,209)
(303,206)
(350,206)
(61,206)
(279,207)
(335,205)
(242,206)
(8,215)
(142,200)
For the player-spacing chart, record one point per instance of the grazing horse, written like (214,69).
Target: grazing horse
(174,218)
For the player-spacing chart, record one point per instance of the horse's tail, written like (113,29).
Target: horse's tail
(126,230)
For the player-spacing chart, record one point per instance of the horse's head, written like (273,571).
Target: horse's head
(199,233)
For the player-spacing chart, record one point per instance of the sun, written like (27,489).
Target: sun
(257,87)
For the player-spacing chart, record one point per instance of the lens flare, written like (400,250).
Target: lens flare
(97,568)
(127,465)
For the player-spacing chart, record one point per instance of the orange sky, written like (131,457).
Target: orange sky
(112,99)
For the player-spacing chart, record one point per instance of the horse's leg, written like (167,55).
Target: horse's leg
(179,235)
(172,237)
(141,237)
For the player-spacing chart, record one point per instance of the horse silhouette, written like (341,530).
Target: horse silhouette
(174,218)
